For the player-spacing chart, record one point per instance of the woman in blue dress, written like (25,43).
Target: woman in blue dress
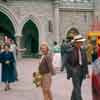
(8,72)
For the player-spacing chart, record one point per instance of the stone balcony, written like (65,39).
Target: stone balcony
(83,5)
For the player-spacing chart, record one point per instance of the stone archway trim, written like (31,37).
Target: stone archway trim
(35,20)
(68,28)
(7,12)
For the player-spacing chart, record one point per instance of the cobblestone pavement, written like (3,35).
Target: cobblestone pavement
(25,90)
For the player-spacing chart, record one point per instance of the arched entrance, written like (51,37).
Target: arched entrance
(72,32)
(30,38)
(6,26)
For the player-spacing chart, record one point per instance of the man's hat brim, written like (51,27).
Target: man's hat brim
(81,40)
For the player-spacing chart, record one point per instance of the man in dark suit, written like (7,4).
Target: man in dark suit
(77,66)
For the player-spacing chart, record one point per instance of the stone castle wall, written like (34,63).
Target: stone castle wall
(41,13)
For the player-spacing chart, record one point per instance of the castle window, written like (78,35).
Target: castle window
(50,26)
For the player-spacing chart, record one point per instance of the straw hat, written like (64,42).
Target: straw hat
(79,38)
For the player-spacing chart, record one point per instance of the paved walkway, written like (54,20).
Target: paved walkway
(25,90)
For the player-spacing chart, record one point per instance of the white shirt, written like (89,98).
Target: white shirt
(80,57)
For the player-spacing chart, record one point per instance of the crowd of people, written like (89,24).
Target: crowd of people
(72,55)
(74,61)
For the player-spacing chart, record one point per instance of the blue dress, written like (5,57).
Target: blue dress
(8,70)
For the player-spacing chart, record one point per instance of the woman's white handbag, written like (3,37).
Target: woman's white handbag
(57,61)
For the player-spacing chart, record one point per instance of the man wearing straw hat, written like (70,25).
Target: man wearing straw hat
(77,66)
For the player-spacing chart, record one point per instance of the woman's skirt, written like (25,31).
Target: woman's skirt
(46,81)
(8,73)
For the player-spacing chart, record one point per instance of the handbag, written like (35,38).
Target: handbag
(37,78)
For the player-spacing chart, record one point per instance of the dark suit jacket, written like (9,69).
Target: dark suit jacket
(71,62)
(46,65)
